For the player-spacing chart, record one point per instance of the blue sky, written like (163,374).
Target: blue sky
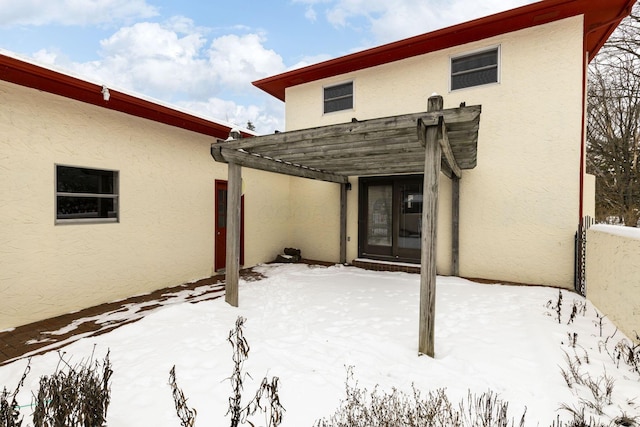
(203,55)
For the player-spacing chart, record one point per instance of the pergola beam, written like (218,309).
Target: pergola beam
(443,140)
(332,134)
(262,163)
(350,146)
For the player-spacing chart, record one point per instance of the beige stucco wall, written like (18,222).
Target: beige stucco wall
(165,233)
(315,221)
(315,218)
(520,205)
(613,274)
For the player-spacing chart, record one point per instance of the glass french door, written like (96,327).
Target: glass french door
(391,218)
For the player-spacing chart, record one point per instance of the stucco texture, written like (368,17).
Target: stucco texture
(613,275)
(164,236)
(520,205)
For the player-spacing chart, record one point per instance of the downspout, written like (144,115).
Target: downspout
(583,131)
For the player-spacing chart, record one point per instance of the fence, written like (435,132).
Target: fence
(580,282)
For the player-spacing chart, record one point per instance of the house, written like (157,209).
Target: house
(106,195)
(520,205)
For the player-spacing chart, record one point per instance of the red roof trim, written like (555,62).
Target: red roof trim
(601,19)
(30,75)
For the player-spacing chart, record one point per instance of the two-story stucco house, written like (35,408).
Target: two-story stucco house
(107,195)
(520,205)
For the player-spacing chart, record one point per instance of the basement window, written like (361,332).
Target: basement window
(86,195)
(476,69)
(338,97)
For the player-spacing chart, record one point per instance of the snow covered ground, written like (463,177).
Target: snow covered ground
(306,325)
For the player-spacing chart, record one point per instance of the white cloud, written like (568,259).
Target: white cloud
(266,119)
(311,14)
(173,61)
(153,59)
(238,60)
(72,12)
(390,20)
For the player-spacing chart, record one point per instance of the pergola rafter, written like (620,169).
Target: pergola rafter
(439,140)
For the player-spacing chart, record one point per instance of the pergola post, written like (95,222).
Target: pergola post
(455,226)
(232,267)
(343,223)
(432,159)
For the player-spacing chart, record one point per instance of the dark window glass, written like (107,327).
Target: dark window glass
(379,211)
(222,208)
(474,70)
(410,217)
(80,180)
(337,98)
(85,207)
(83,193)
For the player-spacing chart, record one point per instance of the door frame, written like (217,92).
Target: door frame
(219,259)
(394,252)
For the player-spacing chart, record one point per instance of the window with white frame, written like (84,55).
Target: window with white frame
(86,195)
(338,97)
(475,69)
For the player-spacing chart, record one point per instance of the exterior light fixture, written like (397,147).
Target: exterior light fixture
(105,93)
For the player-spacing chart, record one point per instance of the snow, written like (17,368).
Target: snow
(306,325)
(618,230)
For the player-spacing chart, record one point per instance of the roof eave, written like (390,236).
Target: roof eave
(27,74)
(535,14)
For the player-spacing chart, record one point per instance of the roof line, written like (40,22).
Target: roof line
(28,74)
(538,13)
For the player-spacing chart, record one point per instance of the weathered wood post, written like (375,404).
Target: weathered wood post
(343,223)
(232,265)
(432,158)
(455,226)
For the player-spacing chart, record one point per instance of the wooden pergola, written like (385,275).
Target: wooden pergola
(439,140)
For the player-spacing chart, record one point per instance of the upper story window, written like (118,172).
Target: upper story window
(475,69)
(338,97)
(86,195)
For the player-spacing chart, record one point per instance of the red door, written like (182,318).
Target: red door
(220,245)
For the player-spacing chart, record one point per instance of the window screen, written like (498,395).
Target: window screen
(339,97)
(86,194)
(474,70)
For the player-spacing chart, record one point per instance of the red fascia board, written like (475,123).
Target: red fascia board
(29,75)
(543,12)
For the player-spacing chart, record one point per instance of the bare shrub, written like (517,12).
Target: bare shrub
(629,353)
(361,408)
(187,415)
(600,322)
(572,374)
(9,408)
(266,399)
(577,307)
(579,419)
(74,396)
(557,306)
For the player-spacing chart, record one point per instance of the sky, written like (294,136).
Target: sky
(306,325)
(202,55)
